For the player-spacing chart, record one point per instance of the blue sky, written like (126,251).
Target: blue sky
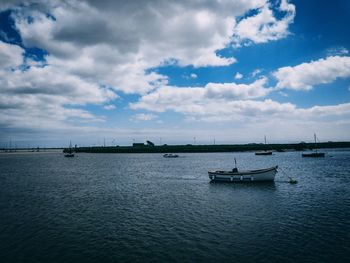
(232,71)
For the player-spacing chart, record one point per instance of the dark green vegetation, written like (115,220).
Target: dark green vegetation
(141,148)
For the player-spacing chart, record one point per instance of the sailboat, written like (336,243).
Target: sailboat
(315,153)
(70,152)
(265,152)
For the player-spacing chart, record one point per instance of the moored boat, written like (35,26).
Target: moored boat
(170,155)
(267,174)
(314,154)
(70,151)
(264,153)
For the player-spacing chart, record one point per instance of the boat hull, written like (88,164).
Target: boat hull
(170,155)
(69,155)
(262,175)
(313,155)
(263,153)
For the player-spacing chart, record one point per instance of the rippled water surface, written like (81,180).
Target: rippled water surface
(146,208)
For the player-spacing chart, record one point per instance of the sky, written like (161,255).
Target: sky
(173,72)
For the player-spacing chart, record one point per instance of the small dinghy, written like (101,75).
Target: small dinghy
(236,175)
(170,155)
(264,153)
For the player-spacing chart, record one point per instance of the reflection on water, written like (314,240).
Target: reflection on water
(143,207)
(264,186)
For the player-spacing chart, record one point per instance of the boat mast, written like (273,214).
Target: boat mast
(315,142)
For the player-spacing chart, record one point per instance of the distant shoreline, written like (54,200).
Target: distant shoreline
(140,148)
(27,151)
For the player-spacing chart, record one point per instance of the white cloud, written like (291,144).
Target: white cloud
(264,26)
(337,51)
(332,110)
(144,117)
(196,105)
(238,75)
(43,96)
(227,102)
(98,47)
(237,91)
(283,94)
(66,88)
(193,76)
(256,72)
(306,75)
(109,107)
(188,99)
(10,55)
(189,33)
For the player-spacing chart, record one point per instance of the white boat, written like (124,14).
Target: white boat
(236,175)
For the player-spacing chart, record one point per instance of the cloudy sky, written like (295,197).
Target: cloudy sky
(171,71)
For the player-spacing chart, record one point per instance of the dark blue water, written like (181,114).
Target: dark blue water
(146,208)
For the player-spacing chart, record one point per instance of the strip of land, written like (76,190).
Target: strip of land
(148,148)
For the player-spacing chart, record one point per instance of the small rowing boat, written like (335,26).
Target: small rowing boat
(267,174)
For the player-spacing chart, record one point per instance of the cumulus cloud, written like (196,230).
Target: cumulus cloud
(337,51)
(332,110)
(264,26)
(120,37)
(256,72)
(97,48)
(225,102)
(109,107)
(35,95)
(192,98)
(10,55)
(144,117)
(306,75)
(195,104)
(193,76)
(238,75)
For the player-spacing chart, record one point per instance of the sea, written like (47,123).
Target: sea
(146,208)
